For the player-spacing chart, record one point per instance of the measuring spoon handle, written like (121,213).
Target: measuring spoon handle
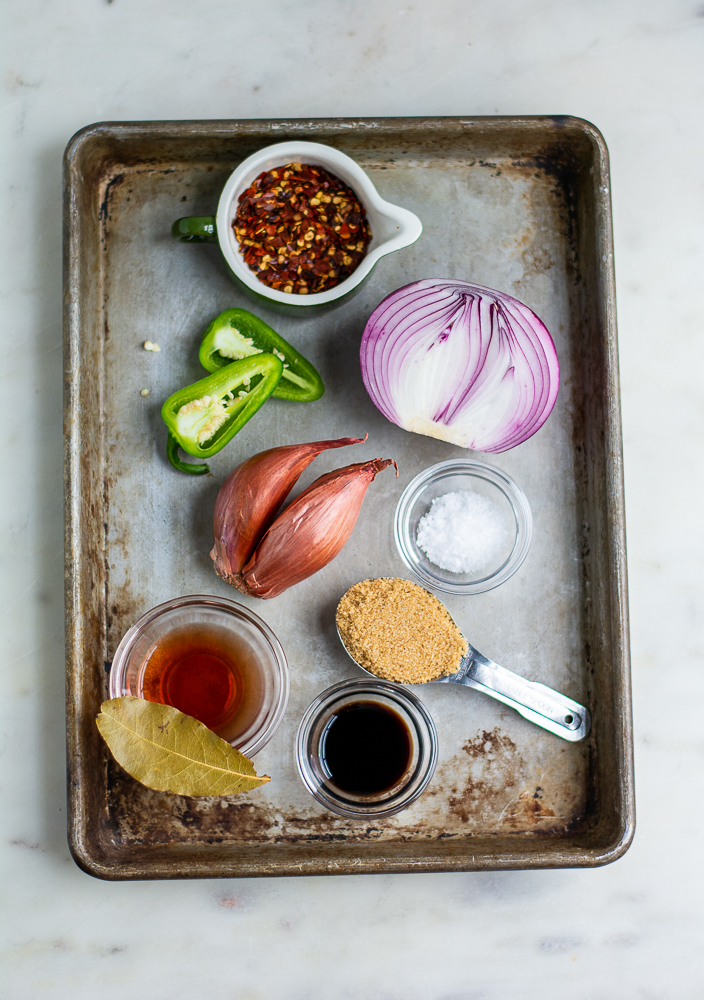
(536,702)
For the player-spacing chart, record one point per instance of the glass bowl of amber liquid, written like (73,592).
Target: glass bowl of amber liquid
(211,658)
(506,498)
(366,749)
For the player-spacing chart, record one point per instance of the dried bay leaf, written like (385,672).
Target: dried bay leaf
(172,752)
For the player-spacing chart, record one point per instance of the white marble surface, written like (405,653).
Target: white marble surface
(632,931)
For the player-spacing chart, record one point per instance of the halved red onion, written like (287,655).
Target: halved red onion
(460,362)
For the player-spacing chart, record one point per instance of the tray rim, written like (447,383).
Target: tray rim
(168,863)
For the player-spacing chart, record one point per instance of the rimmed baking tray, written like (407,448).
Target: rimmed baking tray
(519,204)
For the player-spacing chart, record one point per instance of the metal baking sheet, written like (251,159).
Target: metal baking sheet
(519,204)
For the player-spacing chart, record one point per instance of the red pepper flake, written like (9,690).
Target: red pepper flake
(300,229)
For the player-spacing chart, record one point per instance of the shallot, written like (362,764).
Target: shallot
(250,498)
(460,362)
(262,554)
(312,530)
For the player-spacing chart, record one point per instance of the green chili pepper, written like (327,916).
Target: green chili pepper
(204,416)
(237,333)
(193,468)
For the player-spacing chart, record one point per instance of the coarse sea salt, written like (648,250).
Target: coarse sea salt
(462,532)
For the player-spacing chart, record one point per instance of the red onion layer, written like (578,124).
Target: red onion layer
(460,362)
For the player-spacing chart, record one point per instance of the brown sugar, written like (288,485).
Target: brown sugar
(399,631)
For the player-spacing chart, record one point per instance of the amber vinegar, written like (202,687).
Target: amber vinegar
(206,672)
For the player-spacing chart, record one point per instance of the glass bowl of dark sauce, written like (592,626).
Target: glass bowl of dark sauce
(366,749)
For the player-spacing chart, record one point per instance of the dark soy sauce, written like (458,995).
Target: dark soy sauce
(366,748)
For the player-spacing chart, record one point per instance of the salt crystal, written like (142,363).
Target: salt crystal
(462,532)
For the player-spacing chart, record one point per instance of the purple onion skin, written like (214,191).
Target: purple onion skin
(460,362)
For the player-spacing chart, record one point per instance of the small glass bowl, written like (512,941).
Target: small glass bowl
(258,652)
(457,475)
(310,747)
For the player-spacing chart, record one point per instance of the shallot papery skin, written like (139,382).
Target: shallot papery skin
(311,531)
(250,498)
(460,362)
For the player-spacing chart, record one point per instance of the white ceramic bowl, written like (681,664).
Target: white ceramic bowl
(392,227)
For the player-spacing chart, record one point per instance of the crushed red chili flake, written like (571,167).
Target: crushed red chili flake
(301,229)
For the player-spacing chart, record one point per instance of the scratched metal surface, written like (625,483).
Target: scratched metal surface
(500,207)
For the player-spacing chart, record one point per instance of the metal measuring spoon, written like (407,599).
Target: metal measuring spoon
(535,702)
